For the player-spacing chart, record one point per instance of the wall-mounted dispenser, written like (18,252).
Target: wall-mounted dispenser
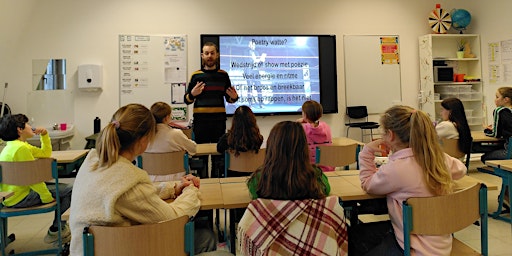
(90,77)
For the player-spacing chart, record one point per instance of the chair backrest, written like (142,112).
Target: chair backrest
(446,214)
(172,237)
(164,163)
(451,147)
(357,112)
(28,172)
(245,162)
(336,155)
(189,133)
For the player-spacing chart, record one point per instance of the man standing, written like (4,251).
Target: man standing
(207,89)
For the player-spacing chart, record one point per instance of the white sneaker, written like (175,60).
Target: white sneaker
(53,236)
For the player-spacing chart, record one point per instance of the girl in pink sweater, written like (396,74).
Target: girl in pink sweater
(417,168)
(317,132)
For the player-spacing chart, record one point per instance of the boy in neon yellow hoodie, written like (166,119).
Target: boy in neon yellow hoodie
(15,130)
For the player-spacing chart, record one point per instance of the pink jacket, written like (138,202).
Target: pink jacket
(400,179)
(317,136)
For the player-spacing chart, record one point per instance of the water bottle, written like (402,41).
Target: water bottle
(97,125)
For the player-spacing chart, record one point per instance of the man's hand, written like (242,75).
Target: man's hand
(198,89)
(232,92)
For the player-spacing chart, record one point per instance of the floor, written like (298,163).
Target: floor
(31,230)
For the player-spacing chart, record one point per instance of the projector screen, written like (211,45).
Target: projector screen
(275,74)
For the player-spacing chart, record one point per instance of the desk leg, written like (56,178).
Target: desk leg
(506,181)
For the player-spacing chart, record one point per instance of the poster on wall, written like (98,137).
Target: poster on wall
(500,62)
(152,68)
(389,50)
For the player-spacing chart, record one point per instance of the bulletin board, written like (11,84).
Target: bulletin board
(372,71)
(153,68)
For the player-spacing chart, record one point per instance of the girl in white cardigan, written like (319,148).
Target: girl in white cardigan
(111,191)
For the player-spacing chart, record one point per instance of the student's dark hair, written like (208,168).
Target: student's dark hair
(10,124)
(160,111)
(313,110)
(128,125)
(458,116)
(244,134)
(286,173)
(415,129)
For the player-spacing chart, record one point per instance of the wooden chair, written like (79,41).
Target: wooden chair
(440,215)
(172,237)
(25,174)
(246,162)
(451,147)
(337,155)
(164,163)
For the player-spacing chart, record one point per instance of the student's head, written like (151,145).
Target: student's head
(503,97)
(287,173)
(209,55)
(405,127)
(453,110)
(244,134)
(311,111)
(12,127)
(160,111)
(131,129)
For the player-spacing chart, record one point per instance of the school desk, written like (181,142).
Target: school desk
(69,160)
(211,197)
(480,140)
(502,168)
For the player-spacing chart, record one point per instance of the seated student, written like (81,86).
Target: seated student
(317,132)
(168,139)
(417,168)
(299,208)
(243,136)
(15,130)
(501,128)
(454,124)
(110,190)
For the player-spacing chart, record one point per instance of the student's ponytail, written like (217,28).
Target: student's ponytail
(428,153)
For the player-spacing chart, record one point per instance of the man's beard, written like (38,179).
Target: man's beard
(210,64)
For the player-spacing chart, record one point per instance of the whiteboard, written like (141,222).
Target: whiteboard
(368,81)
(152,68)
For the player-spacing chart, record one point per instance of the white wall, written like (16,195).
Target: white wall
(86,32)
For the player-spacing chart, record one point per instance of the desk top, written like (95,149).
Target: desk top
(502,164)
(345,141)
(69,156)
(479,136)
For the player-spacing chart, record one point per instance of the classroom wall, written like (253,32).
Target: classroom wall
(86,32)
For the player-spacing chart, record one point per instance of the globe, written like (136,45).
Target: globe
(460,19)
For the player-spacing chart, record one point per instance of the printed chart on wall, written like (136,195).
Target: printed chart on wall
(500,62)
(153,68)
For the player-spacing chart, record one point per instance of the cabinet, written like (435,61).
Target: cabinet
(440,50)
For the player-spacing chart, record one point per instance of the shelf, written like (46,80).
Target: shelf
(455,59)
(457,83)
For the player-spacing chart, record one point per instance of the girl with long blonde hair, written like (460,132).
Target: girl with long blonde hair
(417,168)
